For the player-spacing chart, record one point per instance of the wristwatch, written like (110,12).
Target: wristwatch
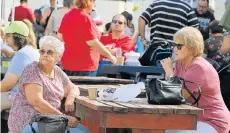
(170,78)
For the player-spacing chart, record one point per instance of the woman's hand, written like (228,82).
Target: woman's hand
(168,66)
(113,59)
(69,105)
(72,121)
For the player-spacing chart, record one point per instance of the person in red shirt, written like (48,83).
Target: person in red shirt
(82,45)
(23,12)
(118,39)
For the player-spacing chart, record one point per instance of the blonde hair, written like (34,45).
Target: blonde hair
(81,4)
(193,40)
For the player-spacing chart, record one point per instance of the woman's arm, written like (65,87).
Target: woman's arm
(98,46)
(34,95)
(45,15)
(59,36)
(8,82)
(7,52)
(48,27)
(71,93)
(168,68)
(225,48)
(31,36)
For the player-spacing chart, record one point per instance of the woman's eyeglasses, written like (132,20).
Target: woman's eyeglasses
(117,21)
(177,45)
(48,52)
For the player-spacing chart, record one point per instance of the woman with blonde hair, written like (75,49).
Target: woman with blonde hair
(191,66)
(82,45)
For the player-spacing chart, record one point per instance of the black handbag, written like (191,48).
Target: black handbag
(169,92)
(50,123)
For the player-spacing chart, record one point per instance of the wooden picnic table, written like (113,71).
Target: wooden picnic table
(84,88)
(137,115)
(84,83)
(98,80)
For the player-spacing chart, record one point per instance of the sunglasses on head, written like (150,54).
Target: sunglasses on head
(117,21)
(177,45)
(48,52)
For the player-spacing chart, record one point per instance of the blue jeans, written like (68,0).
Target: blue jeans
(80,73)
(79,129)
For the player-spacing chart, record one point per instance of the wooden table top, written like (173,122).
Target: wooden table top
(138,105)
(116,69)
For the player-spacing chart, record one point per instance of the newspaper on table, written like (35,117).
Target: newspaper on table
(124,93)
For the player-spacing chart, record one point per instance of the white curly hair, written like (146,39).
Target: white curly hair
(54,42)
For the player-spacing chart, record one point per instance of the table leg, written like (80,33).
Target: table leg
(147,131)
(94,128)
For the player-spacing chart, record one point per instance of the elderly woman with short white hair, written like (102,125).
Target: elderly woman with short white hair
(190,65)
(42,86)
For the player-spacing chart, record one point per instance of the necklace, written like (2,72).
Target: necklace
(46,74)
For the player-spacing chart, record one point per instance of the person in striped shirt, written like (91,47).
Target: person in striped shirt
(165,18)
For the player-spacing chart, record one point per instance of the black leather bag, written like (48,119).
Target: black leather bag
(50,124)
(169,92)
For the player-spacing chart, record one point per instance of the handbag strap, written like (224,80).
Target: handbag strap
(196,99)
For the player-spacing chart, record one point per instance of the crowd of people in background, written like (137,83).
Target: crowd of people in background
(69,36)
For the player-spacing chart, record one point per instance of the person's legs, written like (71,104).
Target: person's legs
(77,73)
(5,102)
(79,129)
(201,128)
(27,129)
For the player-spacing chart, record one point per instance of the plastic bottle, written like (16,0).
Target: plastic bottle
(118,52)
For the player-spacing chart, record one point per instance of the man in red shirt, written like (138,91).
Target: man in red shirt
(23,12)
(118,39)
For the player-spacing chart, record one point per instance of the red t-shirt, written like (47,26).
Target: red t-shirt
(76,28)
(202,72)
(22,12)
(125,42)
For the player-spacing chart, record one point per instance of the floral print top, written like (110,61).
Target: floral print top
(53,92)
(212,48)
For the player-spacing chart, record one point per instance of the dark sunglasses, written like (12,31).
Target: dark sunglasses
(48,52)
(178,46)
(117,21)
